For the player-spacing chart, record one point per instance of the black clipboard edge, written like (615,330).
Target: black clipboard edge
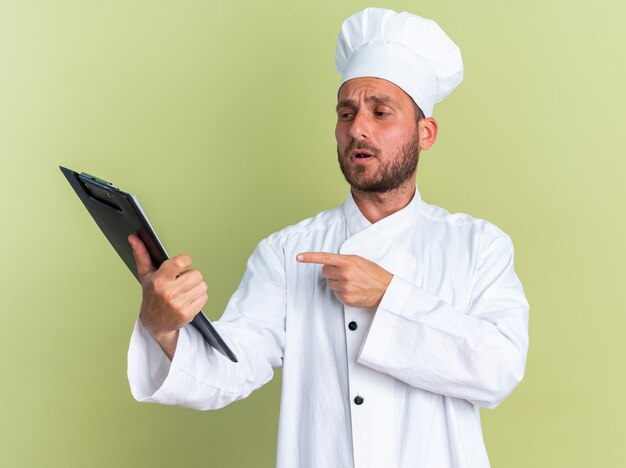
(158,254)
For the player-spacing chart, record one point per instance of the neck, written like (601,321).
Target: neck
(376,206)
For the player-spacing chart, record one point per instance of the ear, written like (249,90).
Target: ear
(427,131)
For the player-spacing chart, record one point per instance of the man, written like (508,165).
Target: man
(393,321)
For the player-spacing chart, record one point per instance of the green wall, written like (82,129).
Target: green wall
(219,116)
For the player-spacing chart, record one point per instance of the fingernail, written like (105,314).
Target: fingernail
(300,257)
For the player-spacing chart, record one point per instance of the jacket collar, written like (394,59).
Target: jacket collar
(357,223)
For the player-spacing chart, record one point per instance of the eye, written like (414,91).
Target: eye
(381,112)
(345,115)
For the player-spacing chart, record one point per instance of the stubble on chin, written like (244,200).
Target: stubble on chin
(389,176)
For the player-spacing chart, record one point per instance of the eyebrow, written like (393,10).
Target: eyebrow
(375,99)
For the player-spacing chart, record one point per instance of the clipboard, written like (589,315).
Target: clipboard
(118,214)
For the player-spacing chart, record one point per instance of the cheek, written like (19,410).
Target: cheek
(393,141)
(398,137)
(341,134)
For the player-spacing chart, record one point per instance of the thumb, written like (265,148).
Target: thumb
(142,257)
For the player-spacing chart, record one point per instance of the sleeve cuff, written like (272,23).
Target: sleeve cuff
(401,305)
(150,373)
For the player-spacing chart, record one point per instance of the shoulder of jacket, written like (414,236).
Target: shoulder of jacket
(320,222)
(462,222)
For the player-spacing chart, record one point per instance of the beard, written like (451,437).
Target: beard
(390,175)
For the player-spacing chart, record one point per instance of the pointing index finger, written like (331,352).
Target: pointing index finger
(322,258)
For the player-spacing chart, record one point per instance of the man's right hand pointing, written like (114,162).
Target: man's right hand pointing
(172,295)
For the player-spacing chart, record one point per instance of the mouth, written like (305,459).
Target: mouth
(361,156)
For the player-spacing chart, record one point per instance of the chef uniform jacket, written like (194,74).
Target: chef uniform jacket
(396,386)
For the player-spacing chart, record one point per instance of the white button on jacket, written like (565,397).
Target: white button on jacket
(400,390)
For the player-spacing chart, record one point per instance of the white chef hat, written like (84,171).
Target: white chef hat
(410,51)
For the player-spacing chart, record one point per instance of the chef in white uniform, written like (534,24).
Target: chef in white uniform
(393,320)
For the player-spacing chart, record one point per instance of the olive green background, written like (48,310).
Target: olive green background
(219,116)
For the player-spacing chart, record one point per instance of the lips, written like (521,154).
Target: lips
(360,152)
(361,155)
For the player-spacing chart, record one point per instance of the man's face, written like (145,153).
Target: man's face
(377,136)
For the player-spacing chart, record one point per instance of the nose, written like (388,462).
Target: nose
(360,127)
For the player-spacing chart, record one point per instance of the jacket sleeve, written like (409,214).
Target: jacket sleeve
(198,376)
(478,355)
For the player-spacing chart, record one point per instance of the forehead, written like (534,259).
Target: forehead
(367,89)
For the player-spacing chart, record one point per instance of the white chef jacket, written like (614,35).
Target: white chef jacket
(449,336)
